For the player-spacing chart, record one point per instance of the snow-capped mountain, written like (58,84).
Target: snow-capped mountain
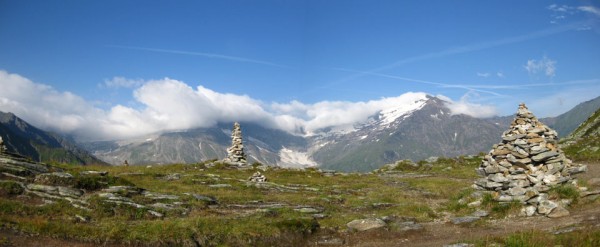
(416,127)
(427,129)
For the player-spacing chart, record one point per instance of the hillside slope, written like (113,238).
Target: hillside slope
(567,122)
(22,138)
(584,143)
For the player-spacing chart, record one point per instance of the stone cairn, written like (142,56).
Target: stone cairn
(525,165)
(257,177)
(2,147)
(235,153)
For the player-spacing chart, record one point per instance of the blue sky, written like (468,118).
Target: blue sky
(483,53)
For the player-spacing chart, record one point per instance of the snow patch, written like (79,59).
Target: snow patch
(295,159)
(363,137)
(388,116)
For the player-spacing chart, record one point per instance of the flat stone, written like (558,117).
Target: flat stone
(157,196)
(43,188)
(163,206)
(155,214)
(491,169)
(219,185)
(528,211)
(500,152)
(480,213)
(516,191)
(308,210)
(535,140)
(498,178)
(544,156)
(365,224)
(546,206)
(464,220)
(512,137)
(558,212)
(505,198)
(474,204)
(549,179)
(123,189)
(70,192)
(459,245)
(208,199)
(538,150)
(577,169)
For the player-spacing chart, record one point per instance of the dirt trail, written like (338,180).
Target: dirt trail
(440,233)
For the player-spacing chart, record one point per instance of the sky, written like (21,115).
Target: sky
(118,69)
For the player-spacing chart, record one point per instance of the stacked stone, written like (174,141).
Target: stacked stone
(2,147)
(257,177)
(235,153)
(525,165)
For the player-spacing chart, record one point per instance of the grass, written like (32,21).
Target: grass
(565,191)
(445,186)
(587,237)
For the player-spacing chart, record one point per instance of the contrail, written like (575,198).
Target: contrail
(444,85)
(202,54)
(472,48)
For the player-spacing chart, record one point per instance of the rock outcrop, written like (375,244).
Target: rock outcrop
(526,164)
(235,153)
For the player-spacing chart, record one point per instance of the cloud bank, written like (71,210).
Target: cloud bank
(169,104)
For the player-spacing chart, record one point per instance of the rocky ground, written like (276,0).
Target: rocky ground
(406,204)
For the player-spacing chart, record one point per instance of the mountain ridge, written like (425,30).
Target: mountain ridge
(22,138)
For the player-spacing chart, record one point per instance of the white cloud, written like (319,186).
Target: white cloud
(544,65)
(339,113)
(465,106)
(590,9)
(560,8)
(121,82)
(500,74)
(562,12)
(485,75)
(168,104)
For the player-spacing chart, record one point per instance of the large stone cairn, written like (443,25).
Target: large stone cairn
(525,165)
(235,153)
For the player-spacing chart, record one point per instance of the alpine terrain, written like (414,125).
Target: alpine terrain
(421,128)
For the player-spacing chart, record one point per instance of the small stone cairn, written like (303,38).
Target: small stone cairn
(525,165)
(257,177)
(235,153)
